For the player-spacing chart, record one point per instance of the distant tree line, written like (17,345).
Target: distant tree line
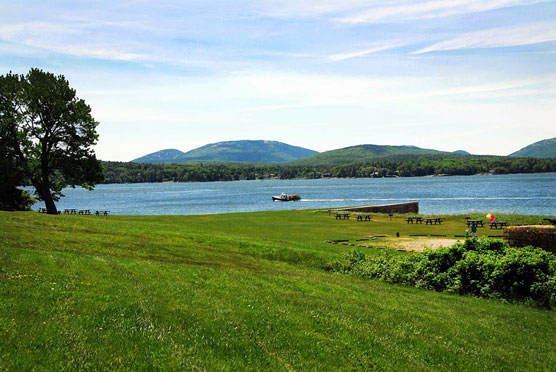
(447,166)
(120,172)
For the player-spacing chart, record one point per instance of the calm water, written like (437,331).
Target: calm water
(533,194)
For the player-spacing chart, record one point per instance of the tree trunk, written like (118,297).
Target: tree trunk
(44,190)
(50,206)
(46,196)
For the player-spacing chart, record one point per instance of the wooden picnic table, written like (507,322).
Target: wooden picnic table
(105,213)
(474,222)
(340,216)
(84,211)
(364,217)
(70,211)
(433,221)
(414,220)
(42,210)
(497,225)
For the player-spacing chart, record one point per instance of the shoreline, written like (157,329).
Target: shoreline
(332,178)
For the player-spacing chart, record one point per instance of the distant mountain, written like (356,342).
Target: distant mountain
(365,153)
(542,149)
(232,151)
(162,156)
(460,152)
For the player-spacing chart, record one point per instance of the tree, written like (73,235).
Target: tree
(47,133)
(11,197)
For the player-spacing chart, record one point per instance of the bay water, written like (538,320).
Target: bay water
(532,194)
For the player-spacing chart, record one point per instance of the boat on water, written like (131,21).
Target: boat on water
(286,197)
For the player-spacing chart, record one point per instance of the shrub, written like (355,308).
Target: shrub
(482,268)
(523,273)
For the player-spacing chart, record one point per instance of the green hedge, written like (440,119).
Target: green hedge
(483,268)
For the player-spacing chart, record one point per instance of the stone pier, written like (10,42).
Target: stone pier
(412,207)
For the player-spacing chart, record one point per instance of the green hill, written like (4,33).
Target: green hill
(231,151)
(160,157)
(364,153)
(241,292)
(542,149)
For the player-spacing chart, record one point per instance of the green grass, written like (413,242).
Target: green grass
(240,292)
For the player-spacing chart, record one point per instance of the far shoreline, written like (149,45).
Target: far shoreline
(332,178)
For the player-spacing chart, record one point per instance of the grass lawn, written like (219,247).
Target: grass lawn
(242,292)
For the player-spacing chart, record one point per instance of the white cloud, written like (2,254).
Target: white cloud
(309,8)
(364,52)
(365,11)
(498,37)
(71,39)
(430,9)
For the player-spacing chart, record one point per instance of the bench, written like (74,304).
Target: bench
(414,220)
(366,217)
(474,222)
(433,221)
(497,225)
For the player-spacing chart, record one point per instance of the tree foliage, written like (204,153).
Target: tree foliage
(46,135)
(118,172)
(11,169)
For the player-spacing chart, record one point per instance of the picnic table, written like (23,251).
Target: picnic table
(433,221)
(70,211)
(84,211)
(364,217)
(105,213)
(497,225)
(474,222)
(42,210)
(414,220)
(340,216)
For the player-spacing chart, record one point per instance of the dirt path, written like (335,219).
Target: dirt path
(419,245)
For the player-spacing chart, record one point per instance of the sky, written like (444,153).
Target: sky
(449,75)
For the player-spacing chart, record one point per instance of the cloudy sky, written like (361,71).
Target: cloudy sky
(444,74)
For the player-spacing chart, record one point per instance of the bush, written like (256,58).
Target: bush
(482,268)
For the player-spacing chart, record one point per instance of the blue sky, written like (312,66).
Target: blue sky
(448,75)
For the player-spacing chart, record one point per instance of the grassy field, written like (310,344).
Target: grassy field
(241,292)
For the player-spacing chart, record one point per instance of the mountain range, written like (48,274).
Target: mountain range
(231,151)
(278,152)
(541,149)
(364,153)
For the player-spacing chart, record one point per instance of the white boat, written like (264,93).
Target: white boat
(286,197)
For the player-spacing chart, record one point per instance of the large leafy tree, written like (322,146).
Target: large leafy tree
(11,171)
(46,135)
